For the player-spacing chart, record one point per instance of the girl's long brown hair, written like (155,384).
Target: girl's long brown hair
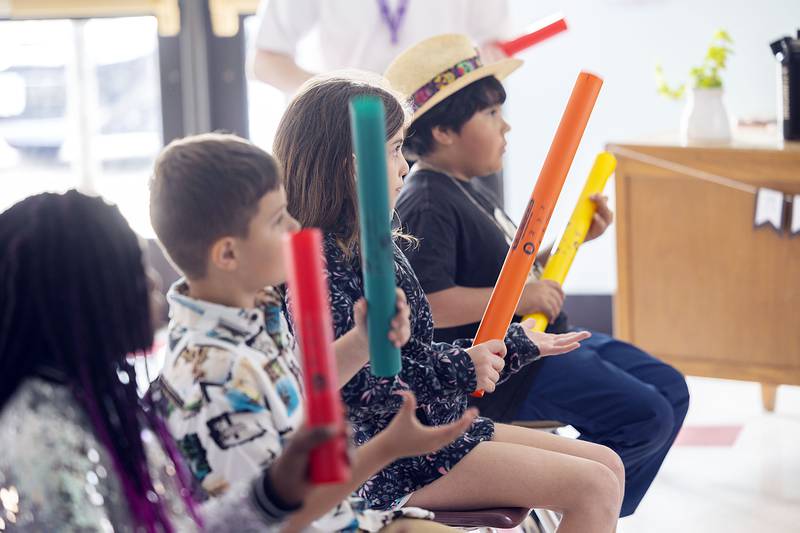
(313,145)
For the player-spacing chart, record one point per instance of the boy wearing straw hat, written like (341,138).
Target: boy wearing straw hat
(612,392)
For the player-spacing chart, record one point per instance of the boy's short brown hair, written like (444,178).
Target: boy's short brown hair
(206,187)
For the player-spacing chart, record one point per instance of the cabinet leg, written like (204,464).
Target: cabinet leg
(768,392)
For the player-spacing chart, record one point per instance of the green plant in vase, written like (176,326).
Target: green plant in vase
(704,118)
(707,75)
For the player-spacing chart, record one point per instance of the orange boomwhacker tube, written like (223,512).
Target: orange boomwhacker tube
(508,289)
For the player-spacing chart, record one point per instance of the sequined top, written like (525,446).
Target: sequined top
(56,476)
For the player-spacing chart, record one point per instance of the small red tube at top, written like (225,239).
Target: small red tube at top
(542,30)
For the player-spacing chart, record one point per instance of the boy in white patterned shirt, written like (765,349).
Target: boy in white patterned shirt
(231,382)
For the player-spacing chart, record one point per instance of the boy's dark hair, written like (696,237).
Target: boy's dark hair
(452,113)
(206,187)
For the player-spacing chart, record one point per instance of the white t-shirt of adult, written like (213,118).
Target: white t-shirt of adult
(353,34)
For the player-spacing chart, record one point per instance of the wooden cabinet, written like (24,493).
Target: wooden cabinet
(698,286)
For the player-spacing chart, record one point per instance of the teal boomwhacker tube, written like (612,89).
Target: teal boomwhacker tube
(377,261)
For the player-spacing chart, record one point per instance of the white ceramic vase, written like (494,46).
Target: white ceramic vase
(705,119)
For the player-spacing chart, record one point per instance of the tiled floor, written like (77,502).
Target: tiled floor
(735,469)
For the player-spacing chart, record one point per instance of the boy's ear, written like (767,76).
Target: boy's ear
(443,136)
(224,255)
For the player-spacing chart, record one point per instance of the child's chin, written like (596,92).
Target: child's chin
(276,282)
(496,169)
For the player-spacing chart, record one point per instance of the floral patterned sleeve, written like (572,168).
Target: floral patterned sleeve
(520,351)
(454,376)
(435,371)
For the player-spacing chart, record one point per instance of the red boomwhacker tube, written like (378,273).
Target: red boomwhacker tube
(511,281)
(328,462)
(542,30)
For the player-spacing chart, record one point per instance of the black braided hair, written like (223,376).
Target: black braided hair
(74,297)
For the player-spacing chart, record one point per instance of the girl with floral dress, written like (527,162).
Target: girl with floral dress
(491,465)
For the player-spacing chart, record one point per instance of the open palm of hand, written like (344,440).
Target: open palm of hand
(553,343)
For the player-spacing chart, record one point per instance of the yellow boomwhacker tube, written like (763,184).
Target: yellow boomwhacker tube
(577,228)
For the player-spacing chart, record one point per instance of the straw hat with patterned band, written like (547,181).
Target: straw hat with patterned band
(435,68)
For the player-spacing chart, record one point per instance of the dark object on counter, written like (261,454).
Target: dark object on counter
(787,51)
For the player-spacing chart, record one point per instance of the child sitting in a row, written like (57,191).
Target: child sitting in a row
(491,465)
(231,382)
(611,391)
(80,450)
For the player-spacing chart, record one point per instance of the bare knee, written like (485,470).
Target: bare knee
(610,492)
(613,462)
(601,494)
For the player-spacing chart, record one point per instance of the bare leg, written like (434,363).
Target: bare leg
(503,474)
(554,443)
(406,525)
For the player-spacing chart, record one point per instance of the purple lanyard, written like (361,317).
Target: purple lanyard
(393,20)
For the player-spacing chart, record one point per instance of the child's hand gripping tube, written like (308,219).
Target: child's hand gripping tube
(558,264)
(511,281)
(328,462)
(377,249)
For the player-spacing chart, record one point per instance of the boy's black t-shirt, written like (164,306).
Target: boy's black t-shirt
(460,243)
(463,237)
